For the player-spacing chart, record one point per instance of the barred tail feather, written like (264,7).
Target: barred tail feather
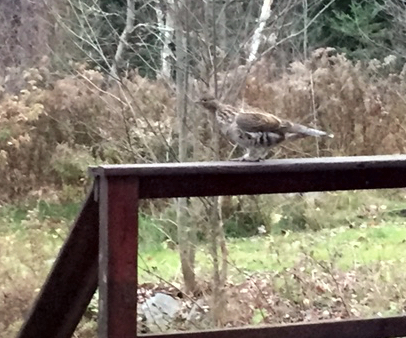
(299,129)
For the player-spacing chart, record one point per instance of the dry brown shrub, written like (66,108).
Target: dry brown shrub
(13,303)
(51,132)
(57,127)
(142,115)
(363,109)
(26,259)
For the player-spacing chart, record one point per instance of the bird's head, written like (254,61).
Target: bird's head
(209,102)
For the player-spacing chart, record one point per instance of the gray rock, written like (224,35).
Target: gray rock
(160,310)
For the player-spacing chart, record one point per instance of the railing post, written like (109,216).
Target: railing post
(118,242)
(71,282)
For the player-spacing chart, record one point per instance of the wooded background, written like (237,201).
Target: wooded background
(114,81)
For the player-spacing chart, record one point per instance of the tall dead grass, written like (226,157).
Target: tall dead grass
(362,104)
(51,131)
(58,125)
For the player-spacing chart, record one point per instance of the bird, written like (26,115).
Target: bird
(256,132)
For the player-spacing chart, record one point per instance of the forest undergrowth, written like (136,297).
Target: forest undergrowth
(55,125)
(351,266)
(291,257)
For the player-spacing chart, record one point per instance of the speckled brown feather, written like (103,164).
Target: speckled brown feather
(258,122)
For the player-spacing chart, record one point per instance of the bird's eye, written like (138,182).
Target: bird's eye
(204,99)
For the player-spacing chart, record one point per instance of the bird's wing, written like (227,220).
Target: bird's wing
(259,122)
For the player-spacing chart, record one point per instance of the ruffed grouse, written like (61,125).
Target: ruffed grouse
(256,132)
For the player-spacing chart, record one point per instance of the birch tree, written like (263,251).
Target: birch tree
(166,23)
(256,39)
(129,27)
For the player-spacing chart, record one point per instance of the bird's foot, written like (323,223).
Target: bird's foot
(237,159)
(246,159)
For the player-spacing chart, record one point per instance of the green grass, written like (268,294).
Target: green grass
(379,236)
(346,247)
(349,228)
(363,232)
(14,217)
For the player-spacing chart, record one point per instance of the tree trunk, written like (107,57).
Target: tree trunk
(166,24)
(185,230)
(256,39)
(218,249)
(129,26)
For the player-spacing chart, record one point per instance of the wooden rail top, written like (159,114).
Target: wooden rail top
(273,176)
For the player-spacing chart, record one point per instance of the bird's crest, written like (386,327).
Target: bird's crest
(206,97)
(208,101)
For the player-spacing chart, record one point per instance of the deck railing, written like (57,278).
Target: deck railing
(101,249)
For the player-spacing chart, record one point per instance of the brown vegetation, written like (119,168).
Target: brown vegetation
(52,131)
(54,128)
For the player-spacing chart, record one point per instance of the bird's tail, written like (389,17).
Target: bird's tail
(306,131)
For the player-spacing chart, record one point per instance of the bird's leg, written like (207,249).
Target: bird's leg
(264,154)
(237,159)
(251,156)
